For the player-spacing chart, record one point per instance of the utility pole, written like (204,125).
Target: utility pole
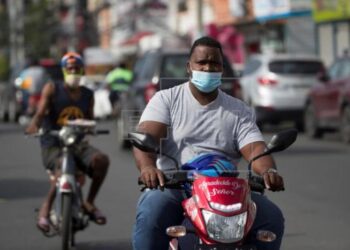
(16,25)
(199,8)
(72,46)
(134,17)
(172,7)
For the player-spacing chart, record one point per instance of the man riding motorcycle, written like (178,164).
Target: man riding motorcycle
(188,120)
(61,102)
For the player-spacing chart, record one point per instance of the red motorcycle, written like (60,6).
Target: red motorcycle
(219,210)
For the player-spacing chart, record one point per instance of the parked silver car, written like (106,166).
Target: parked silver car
(276,85)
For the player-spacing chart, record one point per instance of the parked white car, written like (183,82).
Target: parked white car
(276,86)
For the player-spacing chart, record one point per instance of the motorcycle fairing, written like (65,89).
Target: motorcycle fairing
(220,190)
(224,191)
(67,183)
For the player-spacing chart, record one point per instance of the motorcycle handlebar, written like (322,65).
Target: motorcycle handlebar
(56,133)
(257,184)
(175,180)
(38,134)
(32,135)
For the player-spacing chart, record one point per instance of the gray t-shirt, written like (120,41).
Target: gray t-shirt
(223,126)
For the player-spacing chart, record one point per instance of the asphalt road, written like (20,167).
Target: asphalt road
(316,202)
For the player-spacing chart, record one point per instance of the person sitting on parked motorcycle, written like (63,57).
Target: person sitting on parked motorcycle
(190,119)
(61,102)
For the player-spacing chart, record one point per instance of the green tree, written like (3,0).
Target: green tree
(4,41)
(4,31)
(41,27)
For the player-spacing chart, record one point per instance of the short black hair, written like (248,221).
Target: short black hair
(206,41)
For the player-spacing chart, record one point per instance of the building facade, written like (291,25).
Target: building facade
(332,18)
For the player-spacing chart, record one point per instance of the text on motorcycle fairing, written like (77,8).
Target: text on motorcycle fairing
(216,191)
(233,184)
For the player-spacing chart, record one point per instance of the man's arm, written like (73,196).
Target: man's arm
(264,166)
(43,105)
(146,162)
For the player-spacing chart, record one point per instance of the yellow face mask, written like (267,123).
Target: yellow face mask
(72,80)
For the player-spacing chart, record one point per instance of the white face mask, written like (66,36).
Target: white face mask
(72,80)
(206,81)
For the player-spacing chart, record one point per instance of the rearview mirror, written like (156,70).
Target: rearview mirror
(143,141)
(282,140)
(278,142)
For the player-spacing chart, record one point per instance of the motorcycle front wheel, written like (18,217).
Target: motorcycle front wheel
(66,220)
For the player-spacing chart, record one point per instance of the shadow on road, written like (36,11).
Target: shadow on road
(11,189)
(105,245)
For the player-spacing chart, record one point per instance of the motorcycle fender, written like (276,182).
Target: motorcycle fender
(66,183)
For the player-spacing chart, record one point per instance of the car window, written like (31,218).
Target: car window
(344,71)
(174,66)
(334,70)
(251,66)
(138,66)
(295,67)
(145,67)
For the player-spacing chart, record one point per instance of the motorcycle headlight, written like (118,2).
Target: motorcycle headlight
(225,229)
(70,140)
(67,136)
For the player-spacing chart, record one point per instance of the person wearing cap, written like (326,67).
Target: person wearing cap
(60,102)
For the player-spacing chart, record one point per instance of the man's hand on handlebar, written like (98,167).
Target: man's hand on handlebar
(273,181)
(152,177)
(31,129)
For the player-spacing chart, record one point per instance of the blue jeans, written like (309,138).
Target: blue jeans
(157,210)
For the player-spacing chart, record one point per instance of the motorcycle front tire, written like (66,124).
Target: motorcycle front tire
(66,229)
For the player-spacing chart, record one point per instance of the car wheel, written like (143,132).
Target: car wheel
(345,125)
(3,111)
(310,123)
(4,115)
(299,125)
(13,112)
